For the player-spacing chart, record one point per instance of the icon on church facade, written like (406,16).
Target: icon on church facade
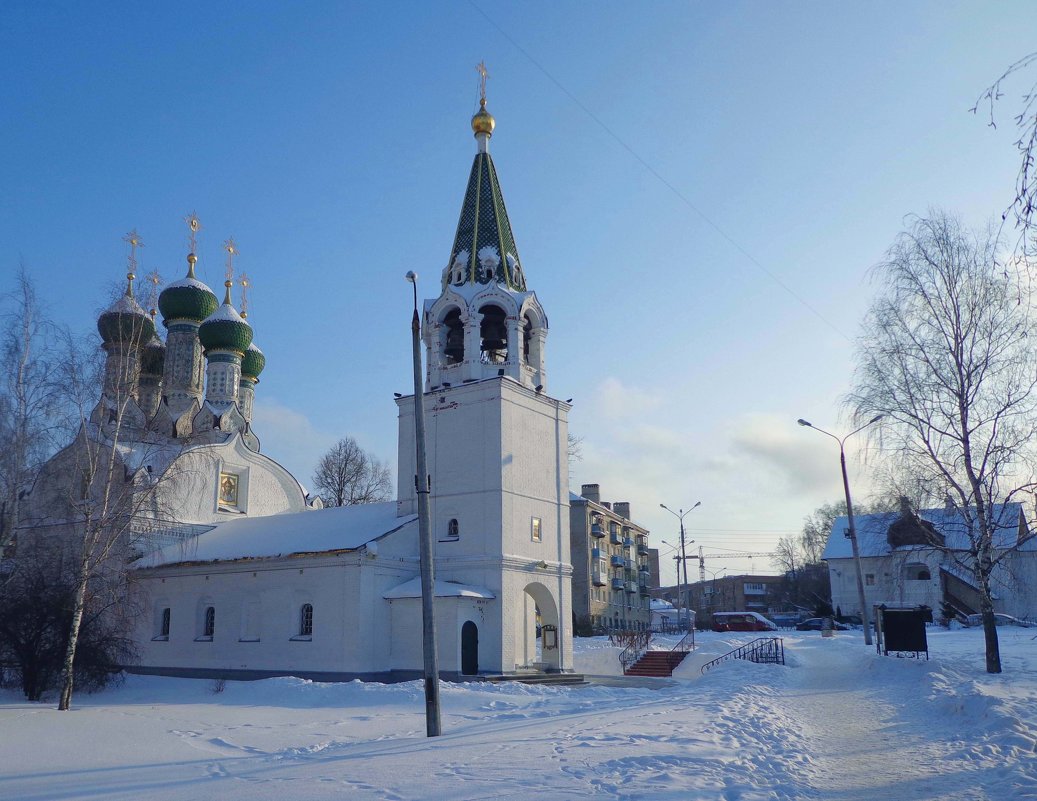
(228,489)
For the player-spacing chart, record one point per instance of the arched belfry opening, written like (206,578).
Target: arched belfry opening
(527,337)
(453,348)
(493,334)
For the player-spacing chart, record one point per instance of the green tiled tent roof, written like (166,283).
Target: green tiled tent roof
(484,224)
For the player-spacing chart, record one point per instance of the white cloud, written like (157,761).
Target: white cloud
(290,438)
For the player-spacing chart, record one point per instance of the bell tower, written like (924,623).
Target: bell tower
(497,443)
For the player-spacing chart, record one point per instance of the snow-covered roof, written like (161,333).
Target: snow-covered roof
(191,282)
(872,531)
(226,312)
(443,589)
(313,531)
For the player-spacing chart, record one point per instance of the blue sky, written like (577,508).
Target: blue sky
(693,318)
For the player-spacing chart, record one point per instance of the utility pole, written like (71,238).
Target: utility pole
(422,482)
(683,556)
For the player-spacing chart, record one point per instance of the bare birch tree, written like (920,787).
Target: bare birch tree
(96,496)
(29,399)
(347,475)
(946,356)
(1024,115)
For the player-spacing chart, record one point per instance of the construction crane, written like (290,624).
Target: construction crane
(742,555)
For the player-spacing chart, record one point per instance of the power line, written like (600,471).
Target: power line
(677,192)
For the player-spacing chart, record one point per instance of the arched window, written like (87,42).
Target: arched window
(527,336)
(306,620)
(493,334)
(164,628)
(917,572)
(209,626)
(453,528)
(453,350)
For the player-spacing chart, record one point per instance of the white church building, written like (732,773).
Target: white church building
(275,585)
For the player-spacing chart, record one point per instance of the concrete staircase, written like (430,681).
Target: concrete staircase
(658,664)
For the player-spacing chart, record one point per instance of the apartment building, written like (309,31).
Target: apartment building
(611,570)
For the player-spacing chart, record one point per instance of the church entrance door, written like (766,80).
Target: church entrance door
(469,649)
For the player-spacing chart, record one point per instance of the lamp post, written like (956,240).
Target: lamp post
(422,481)
(852,532)
(677,567)
(683,554)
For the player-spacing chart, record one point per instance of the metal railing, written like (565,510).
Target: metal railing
(769,650)
(686,644)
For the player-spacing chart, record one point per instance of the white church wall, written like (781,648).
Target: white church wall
(258,609)
(451,614)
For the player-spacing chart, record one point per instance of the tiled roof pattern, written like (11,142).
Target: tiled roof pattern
(484,223)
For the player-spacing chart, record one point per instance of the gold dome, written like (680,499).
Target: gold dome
(483,121)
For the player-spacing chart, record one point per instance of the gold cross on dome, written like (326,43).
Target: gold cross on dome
(483,75)
(135,242)
(232,251)
(246,284)
(154,279)
(195,225)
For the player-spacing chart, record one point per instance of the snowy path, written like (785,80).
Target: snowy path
(868,738)
(838,723)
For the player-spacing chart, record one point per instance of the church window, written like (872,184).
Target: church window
(869,579)
(228,489)
(453,529)
(209,623)
(306,621)
(535,530)
(454,347)
(493,335)
(527,336)
(162,625)
(916,572)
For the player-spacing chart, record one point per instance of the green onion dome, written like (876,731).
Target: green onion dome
(153,357)
(188,298)
(125,322)
(225,329)
(253,362)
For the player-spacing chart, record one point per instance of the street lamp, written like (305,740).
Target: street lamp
(677,567)
(433,726)
(852,533)
(683,554)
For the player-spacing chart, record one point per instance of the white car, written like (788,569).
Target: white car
(999,620)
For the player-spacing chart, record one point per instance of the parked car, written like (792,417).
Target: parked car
(786,620)
(818,623)
(741,621)
(999,620)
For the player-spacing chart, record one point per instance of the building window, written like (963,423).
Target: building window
(869,579)
(453,528)
(209,623)
(163,625)
(228,489)
(535,530)
(306,621)
(917,572)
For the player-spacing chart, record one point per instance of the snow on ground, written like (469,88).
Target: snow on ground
(838,722)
